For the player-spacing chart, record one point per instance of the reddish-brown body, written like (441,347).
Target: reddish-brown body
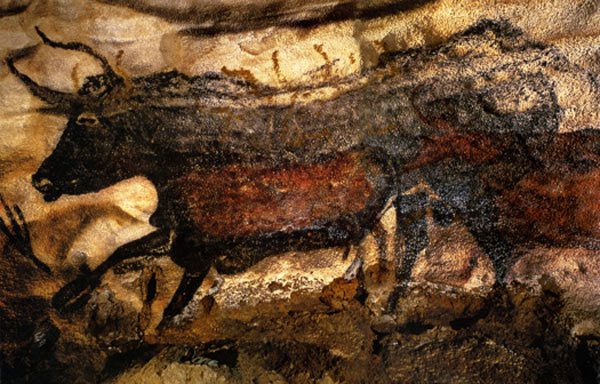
(561,202)
(248,201)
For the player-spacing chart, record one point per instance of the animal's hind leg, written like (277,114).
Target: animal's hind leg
(481,217)
(76,293)
(411,225)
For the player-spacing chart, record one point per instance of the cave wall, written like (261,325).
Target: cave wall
(485,111)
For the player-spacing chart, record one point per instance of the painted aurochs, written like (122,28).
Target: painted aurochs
(242,172)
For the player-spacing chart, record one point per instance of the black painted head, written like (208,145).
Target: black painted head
(82,161)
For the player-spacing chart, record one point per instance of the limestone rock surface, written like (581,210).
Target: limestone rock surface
(486,111)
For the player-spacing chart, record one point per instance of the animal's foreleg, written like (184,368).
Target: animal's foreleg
(76,293)
(411,226)
(183,295)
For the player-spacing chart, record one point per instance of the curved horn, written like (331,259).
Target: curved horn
(50,96)
(73,46)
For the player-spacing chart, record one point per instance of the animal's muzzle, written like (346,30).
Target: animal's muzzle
(45,186)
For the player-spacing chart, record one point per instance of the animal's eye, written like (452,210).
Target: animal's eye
(88,119)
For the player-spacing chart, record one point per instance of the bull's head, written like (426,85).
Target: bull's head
(80,163)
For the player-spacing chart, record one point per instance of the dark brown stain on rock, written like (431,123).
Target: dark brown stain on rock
(276,65)
(241,73)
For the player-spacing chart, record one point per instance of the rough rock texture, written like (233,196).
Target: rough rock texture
(456,135)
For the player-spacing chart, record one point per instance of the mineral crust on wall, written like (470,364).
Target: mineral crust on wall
(303,191)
